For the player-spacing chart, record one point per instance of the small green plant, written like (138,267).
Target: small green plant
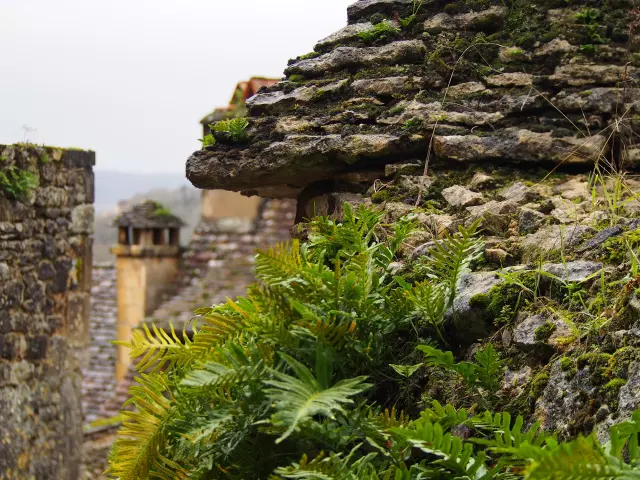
(16,183)
(485,373)
(413,124)
(589,18)
(207,141)
(447,261)
(233,130)
(382,30)
(408,21)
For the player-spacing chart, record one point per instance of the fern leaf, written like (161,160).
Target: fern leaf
(280,265)
(235,368)
(142,438)
(158,347)
(453,454)
(577,460)
(451,257)
(297,399)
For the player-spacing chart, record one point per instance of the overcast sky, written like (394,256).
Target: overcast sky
(130,79)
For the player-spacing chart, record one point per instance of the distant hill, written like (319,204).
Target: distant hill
(116,192)
(112,187)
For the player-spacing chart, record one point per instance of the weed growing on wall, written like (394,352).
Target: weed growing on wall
(16,183)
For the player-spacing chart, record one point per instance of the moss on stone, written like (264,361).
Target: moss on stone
(380,196)
(598,364)
(620,361)
(568,366)
(538,385)
(543,332)
(297,78)
(481,300)
(616,249)
(309,55)
(611,390)
(507,298)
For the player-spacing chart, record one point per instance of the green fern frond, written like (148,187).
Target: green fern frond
(486,373)
(452,256)
(331,466)
(578,460)
(158,347)
(142,438)
(235,366)
(445,415)
(625,434)
(280,265)
(453,454)
(297,399)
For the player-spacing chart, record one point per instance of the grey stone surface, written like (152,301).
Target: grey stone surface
(350,32)
(523,144)
(467,320)
(600,237)
(551,239)
(459,196)
(577,271)
(529,220)
(351,57)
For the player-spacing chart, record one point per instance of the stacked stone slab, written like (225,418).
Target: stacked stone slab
(45,284)
(534,82)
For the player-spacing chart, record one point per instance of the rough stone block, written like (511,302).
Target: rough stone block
(82,219)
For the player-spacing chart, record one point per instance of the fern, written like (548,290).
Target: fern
(451,257)
(234,367)
(300,398)
(453,455)
(234,129)
(142,438)
(486,373)
(301,364)
(155,348)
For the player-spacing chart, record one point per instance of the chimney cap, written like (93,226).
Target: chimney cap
(148,214)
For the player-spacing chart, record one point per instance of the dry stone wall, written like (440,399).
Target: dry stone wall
(45,283)
(523,82)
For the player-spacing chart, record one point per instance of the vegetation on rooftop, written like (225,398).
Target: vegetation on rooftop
(161,210)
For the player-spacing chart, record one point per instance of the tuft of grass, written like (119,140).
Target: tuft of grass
(381,30)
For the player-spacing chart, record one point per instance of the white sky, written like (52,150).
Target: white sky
(130,79)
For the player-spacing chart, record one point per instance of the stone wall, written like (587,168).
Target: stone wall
(45,283)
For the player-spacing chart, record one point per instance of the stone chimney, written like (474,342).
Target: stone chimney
(147,261)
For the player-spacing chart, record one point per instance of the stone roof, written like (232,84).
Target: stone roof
(148,214)
(525,84)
